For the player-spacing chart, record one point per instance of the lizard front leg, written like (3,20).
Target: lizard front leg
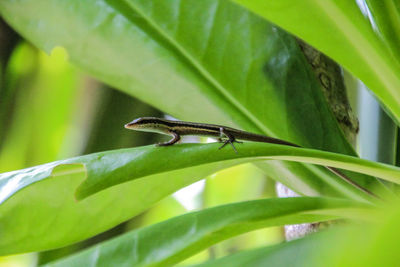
(230,138)
(175,138)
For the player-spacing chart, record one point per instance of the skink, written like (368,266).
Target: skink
(226,135)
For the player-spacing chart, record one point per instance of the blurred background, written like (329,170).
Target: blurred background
(50,110)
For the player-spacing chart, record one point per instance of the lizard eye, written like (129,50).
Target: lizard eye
(137,121)
(134,123)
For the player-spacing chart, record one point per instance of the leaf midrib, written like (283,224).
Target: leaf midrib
(204,72)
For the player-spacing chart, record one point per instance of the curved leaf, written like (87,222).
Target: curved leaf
(135,163)
(46,215)
(171,241)
(40,202)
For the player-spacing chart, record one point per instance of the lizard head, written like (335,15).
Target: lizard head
(147,124)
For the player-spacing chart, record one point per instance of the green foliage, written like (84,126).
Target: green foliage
(209,61)
(96,178)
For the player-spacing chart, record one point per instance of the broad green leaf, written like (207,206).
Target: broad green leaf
(226,66)
(116,45)
(39,207)
(365,44)
(171,241)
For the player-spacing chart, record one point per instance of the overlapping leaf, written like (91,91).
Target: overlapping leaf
(120,184)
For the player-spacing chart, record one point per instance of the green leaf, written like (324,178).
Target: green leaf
(228,67)
(115,167)
(112,183)
(171,241)
(358,245)
(368,49)
(295,253)
(40,216)
(385,15)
